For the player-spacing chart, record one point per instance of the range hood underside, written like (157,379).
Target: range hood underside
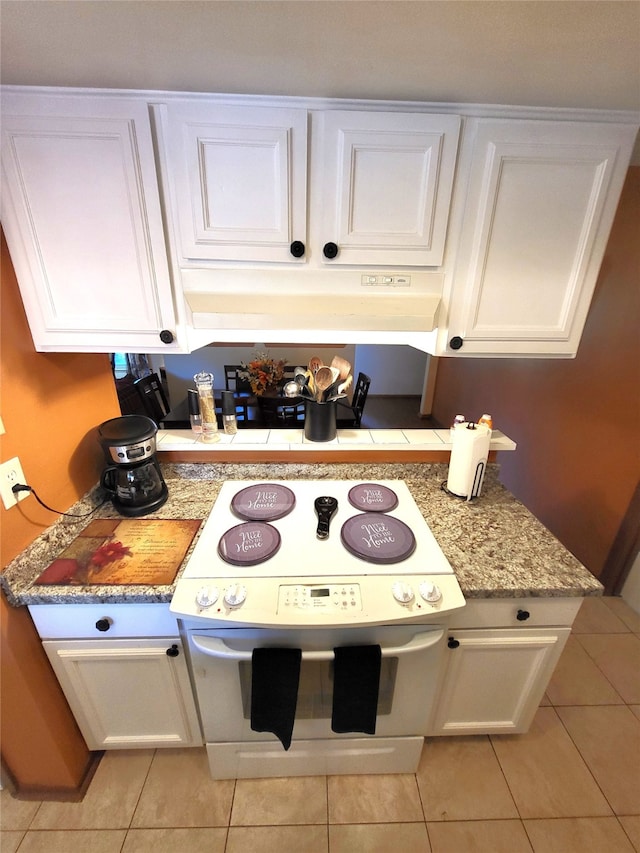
(378,312)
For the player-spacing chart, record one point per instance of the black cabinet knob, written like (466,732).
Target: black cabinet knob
(297,248)
(173,652)
(330,250)
(456,342)
(453,643)
(104,624)
(166,336)
(522,615)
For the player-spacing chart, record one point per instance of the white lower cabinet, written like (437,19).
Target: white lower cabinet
(494,677)
(125,693)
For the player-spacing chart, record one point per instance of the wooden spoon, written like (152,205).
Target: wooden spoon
(345,385)
(342,365)
(314,364)
(323,378)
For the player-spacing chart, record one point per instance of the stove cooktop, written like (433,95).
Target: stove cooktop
(300,553)
(259,562)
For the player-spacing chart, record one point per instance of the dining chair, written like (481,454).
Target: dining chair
(350,415)
(279,412)
(128,397)
(232,381)
(153,397)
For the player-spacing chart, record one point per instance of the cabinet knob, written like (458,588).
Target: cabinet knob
(522,615)
(104,624)
(456,342)
(453,643)
(330,250)
(297,248)
(173,652)
(166,336)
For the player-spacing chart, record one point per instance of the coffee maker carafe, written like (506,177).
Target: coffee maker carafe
(133,478)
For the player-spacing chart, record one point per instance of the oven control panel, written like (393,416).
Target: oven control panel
(334,596)
(320,601)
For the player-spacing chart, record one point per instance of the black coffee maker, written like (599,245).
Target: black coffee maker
(134,482)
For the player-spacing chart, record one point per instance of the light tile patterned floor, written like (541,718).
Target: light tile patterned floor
(570,785)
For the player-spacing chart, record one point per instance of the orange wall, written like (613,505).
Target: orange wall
(50,406)
(576,422)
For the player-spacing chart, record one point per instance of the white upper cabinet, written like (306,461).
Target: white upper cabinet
(81,213)
(540,202)
(238,176)
(386,185)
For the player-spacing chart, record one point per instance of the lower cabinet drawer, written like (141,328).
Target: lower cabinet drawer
(516,613)
(71,621)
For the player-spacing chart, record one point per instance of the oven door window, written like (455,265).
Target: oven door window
(315,690)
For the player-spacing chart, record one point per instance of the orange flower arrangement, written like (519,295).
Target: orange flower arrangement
(262,373)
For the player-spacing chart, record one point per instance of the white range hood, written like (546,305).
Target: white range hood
(288,306)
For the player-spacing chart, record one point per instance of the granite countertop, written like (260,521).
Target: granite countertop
(496,547)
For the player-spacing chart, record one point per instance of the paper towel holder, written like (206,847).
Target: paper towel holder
(476,485)
(468,462)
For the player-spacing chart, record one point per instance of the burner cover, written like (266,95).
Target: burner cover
(249,543)
(378,538)
(263,502)
(373,497)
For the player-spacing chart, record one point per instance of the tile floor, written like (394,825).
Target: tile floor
(570,785)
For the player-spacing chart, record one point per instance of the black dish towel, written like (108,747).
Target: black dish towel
(355,689)
(275,674)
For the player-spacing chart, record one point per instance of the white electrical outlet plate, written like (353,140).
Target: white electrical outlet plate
(10,474)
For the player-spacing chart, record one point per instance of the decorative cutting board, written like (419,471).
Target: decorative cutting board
(123,552)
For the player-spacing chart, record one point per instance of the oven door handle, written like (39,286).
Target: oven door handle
(216,647)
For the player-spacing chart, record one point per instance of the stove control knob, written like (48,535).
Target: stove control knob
(206,596)
(430,592)
(235,595)
(402,592)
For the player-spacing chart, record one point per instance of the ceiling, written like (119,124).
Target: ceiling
(543,53)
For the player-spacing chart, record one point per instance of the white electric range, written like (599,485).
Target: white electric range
(266,574)
(380,563)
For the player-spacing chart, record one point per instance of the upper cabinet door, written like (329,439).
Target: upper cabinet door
(386,184)
(81,212)
(238,178)
(539,207)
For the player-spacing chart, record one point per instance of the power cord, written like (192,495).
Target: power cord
(21,487)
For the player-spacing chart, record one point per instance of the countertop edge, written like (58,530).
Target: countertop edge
(468,533)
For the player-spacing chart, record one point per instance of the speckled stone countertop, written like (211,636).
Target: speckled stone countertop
(496,547)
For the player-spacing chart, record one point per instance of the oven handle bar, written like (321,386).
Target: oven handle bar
(217,648)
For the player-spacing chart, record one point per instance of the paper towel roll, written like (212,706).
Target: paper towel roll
(469,452)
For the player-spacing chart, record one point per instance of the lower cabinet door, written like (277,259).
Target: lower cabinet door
(127,694)
(494,679)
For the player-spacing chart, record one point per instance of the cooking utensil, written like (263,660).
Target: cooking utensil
(342,365)
(310,383)
(344,387)
(323,379)
(325,508)
(291,389)
(314,364)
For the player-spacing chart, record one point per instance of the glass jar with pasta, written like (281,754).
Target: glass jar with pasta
(204,387)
